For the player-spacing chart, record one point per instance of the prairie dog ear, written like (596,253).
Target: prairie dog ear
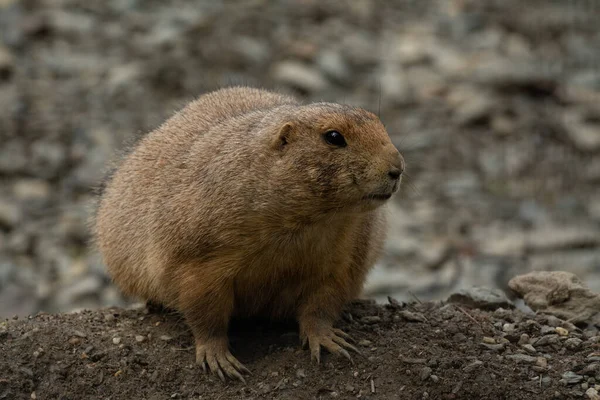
(284,136)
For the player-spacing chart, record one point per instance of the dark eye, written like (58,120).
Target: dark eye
(335,138)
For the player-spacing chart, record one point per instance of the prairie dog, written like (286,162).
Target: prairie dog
(247,202)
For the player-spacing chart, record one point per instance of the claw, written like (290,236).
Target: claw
(220,361)
(331,339)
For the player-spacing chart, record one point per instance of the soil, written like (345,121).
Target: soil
(409,351)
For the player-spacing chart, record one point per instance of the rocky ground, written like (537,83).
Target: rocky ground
(495,105)
(430,350)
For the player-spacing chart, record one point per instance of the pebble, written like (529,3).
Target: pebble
(10,214)
(529,348)
(546,340)
(488,340)
(299,75)
(494,347)
(333,64)
(592,394)
(522,358)
(165,338)
(508,328)
(395,86)
(547,330)
(365,343)
(31,189)
(573,343)
(473,366)
(371,319)
(425,373)
(300,373)
(140,338)
(553,321)
(561,331)
(591,369)
(584,135)
(546,380)
(541,362)
(412,316)
(571,377)
(524,339)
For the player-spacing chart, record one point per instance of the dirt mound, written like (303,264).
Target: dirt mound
(412,351)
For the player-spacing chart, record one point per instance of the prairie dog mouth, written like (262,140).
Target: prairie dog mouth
(378,196)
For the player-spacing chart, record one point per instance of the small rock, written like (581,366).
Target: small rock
(140,338)
(481,297)
(591,369)
(529,348)
(553,321)
(408,360)
(371,319)
(435,378)
(300,373)
(116,340)
(333,64)
(10,214)
(546,340)
(502,313)
(522,358)
(395,86)
(573,343)
(473,366)
(365,343)
(31,189)
(571,377)
(412,316)
(494,347)
(568,326)
(524,339)
(425,373)
(541,362)
(584,135)
(488,340)
(165,338)
(546,381)
(299,75)
(474,110)
(508,328)
(79,334)
(592,394)
(561,331)
(7,63)
(547,330)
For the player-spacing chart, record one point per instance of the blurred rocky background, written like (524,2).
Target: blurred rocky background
(495,105)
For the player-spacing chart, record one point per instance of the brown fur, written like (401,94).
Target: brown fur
(238,206)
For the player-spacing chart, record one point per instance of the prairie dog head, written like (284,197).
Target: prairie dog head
(341,157)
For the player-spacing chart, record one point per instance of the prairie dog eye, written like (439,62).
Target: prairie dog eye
(335,138)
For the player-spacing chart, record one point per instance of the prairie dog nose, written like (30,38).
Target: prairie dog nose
(394,173)
(397,167)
